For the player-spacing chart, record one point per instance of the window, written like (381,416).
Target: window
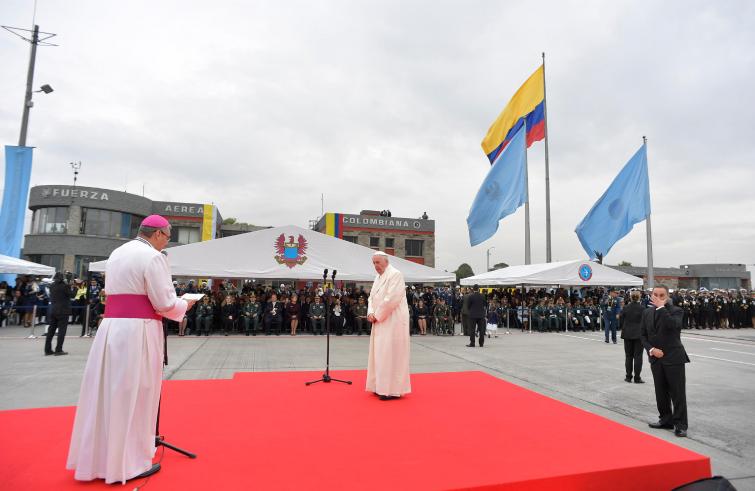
(374,241)
(187,235)
(389,243)
(108,223)
(50,220)
(414,247)
(54,260)
(350,238)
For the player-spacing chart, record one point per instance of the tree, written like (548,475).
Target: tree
(499,266)
(229,221)
(625,263)
(463,271)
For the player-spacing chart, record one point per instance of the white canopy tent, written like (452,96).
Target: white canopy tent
(565,273)
(283,253)
(14,265)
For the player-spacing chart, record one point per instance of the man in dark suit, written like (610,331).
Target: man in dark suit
(476,316)
(60,310)
(661,330)
(631,328)
(273,317)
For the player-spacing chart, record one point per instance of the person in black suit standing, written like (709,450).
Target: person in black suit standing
(631,328)
(661,338)
(476,316)
(60,310)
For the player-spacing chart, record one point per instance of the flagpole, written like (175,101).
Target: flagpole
(527,252)
(648,229)
(547,176)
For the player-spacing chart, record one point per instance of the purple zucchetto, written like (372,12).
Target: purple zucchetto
(155,221)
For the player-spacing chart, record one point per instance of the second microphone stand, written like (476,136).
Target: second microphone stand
(326,378)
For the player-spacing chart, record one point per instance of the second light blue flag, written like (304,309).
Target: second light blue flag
(502,192)
(625,202)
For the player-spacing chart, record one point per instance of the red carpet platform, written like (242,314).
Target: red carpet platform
(465,430)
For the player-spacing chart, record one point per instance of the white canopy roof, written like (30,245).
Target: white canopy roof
(14,265)
(566,273)
(288,252)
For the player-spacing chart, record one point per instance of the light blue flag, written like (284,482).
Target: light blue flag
(502,192)
(625,202)
(15,195)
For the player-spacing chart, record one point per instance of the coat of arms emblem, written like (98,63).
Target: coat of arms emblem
(290,252)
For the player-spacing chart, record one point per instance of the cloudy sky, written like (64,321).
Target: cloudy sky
(261,107)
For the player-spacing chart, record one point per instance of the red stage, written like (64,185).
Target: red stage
(463,430)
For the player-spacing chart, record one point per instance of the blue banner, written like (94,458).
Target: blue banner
(15,196)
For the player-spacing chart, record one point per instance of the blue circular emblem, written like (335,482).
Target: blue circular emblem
(585,272)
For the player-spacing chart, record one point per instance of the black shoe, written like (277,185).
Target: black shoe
(387,398)
(628,378)
(680,432)
(470,346)
(48,353)
(60,353)
(606,341)
(614,341)
(659,426)
(638,380)
(152,470)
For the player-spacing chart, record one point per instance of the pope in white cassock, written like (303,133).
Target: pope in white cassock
(388,363)
(114,430)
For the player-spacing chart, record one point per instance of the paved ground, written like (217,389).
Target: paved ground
(576,368)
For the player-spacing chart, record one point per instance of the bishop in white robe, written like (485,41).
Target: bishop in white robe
(114,429)
(388,362)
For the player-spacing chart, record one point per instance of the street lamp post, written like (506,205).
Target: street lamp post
(487,253)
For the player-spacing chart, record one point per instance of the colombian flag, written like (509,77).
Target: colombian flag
(528,102)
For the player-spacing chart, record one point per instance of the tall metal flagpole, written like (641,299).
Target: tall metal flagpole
(648,229)
(547,176)
(29,82)
(527,252)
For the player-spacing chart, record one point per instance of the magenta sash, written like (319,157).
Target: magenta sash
(127,306)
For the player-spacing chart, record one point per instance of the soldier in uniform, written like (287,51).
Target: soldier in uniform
(443,319)
(250,315)
(577,316)
(539,316)
(561,316)
(684,303)
(204,317)
(612,305)
(317,316)
(361,324)
(592,315)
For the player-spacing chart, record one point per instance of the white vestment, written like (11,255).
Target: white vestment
(388,363)
(114,430)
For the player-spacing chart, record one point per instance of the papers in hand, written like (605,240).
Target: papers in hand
(192,296)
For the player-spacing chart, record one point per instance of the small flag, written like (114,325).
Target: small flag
(625,202)
(502,192)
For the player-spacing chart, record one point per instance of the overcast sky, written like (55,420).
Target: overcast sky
(260,107)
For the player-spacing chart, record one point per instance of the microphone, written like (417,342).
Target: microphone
(334,275)
(325,274)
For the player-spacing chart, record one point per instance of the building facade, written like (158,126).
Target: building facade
(73,225)
(695,276)
(412,239)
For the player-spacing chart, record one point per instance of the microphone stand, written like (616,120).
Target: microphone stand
(159,439)
(326,378)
